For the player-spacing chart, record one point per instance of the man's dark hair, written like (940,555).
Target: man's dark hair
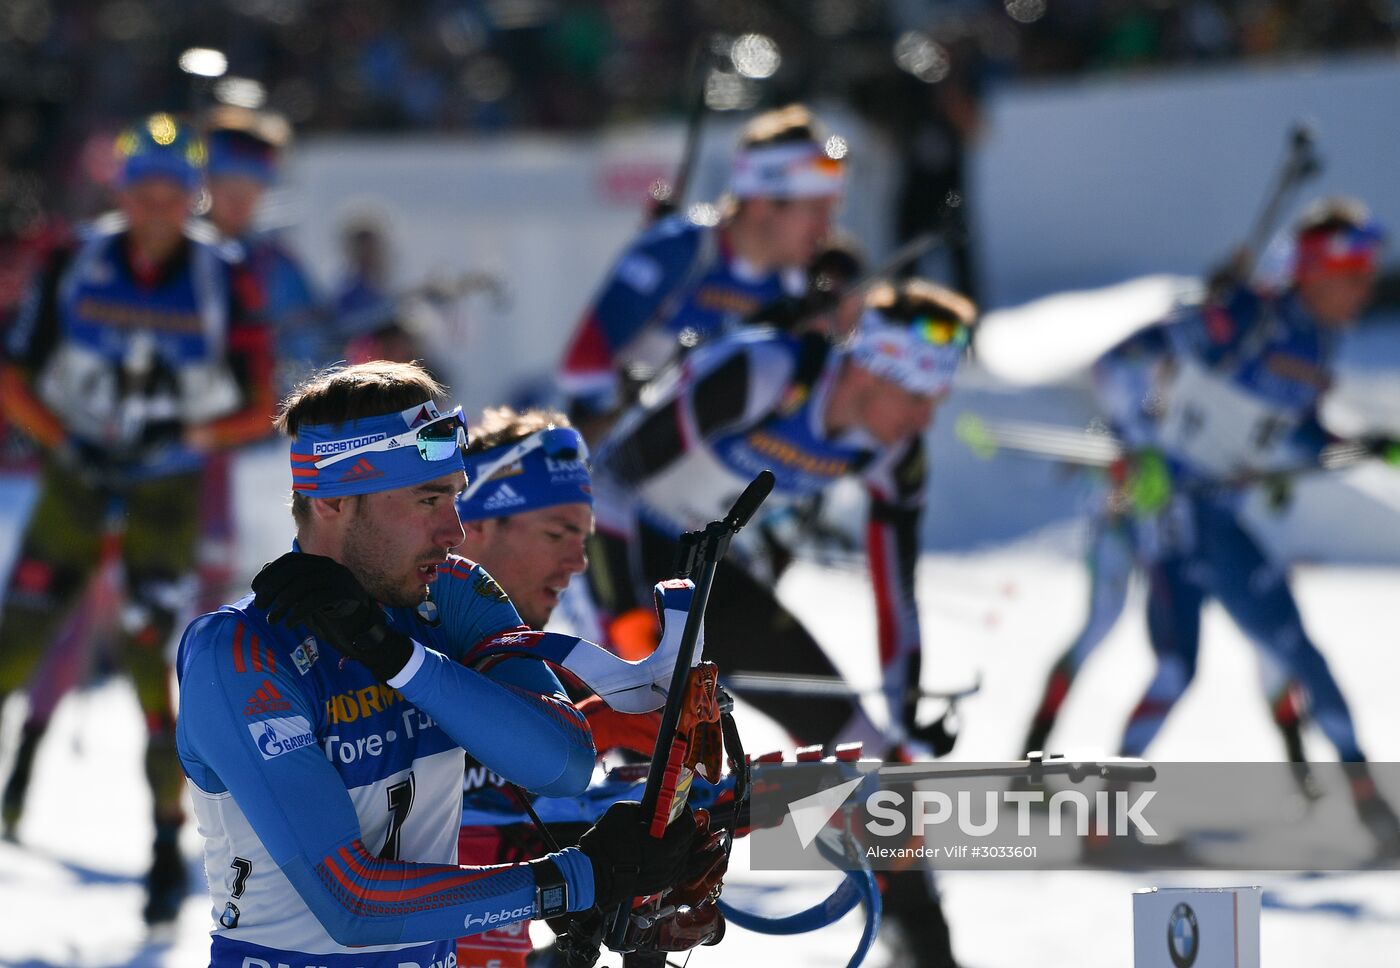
(837,264)
(340,394)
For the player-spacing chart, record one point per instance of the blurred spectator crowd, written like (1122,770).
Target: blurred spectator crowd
(71,73)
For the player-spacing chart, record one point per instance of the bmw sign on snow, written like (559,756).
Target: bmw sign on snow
(1183,942)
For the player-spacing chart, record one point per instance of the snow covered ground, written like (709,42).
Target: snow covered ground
(71,894)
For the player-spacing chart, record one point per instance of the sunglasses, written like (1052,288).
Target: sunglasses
(559,443)
(436,440)
(941,332)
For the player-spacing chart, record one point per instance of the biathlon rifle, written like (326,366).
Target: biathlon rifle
(696,730)
(1300,163)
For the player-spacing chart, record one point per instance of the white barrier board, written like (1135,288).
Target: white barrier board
(1216,927)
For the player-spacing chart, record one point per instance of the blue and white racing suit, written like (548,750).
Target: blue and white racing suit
(678,276)
(330,802)
(1225,391)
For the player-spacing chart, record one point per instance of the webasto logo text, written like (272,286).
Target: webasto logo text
(1111,813)
(498,917)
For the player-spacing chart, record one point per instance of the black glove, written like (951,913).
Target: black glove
(99,468)
(627,861)
(1229,274)
(939,735)
(784,313)
(1277,490)
(322,594)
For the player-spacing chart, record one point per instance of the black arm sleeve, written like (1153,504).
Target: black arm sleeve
(33,330)
(656,441)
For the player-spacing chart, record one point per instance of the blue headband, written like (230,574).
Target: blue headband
(546,468)
(238,153)
(380,453)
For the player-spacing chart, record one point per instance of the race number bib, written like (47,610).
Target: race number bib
(1214,426)
(84,387)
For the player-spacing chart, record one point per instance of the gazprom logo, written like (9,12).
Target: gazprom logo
(325,447)
(273,737)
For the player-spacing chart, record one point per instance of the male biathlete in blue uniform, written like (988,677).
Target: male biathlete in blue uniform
(527,512)
(1210,401)
(245,158)
(1111,558)
(323,721)
(138,356)
(686,280)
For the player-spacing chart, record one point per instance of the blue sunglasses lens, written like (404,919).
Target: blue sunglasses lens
(440,440)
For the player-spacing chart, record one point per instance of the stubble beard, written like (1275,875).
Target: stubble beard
(364,557)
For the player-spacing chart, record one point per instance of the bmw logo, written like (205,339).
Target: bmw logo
(1183,940)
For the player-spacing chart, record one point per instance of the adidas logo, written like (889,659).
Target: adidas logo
(363,470)
(505,497)
(266,700)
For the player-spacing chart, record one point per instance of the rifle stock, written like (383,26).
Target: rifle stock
(668,779)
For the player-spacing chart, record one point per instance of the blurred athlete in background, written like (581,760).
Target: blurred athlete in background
(140,351)
(1218,397)
(685,281)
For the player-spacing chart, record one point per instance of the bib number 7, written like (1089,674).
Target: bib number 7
(400,797)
